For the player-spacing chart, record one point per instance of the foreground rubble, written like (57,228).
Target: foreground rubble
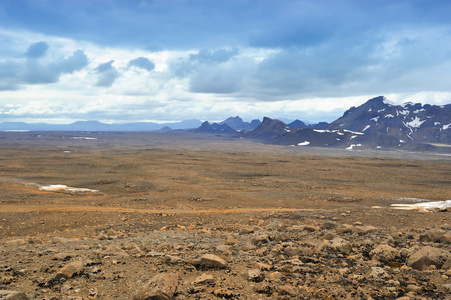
(262,257)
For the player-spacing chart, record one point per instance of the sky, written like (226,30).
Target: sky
(122,61)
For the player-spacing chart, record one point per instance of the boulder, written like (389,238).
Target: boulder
(427,256)
(161,287)
(69,270)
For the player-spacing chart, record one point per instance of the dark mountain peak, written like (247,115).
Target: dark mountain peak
(298,123)
(268,129)
(238,124)
(205,127)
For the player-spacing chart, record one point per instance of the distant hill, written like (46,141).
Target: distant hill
(268,130)
(238,124)
(299,123)
(376,124)
(206,127)
(98,126)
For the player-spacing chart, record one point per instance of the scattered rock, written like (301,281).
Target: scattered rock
(385,253)
(69,270)
(204,279)
(427,256)
(161,287)
(255,275)
(260,239)
(211,261)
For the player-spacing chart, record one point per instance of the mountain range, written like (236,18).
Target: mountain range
(98,126)
(376,124)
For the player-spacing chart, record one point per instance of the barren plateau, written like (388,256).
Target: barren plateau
(196,216)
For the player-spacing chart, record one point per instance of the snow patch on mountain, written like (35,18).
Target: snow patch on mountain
(415,123)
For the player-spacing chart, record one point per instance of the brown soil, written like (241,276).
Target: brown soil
(152,182)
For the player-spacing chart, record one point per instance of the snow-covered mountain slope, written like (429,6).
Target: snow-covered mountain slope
(408,123)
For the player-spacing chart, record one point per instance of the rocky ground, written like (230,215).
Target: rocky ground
(219,224)
(270,255)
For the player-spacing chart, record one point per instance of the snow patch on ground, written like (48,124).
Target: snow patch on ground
(65,188)
(425,206)
(446,126)
(353,146)
(82,138)
(366,127)
(304,143)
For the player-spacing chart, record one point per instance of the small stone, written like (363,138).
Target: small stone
(445,238)
(255,275)
(212,261)
(154,254)
(311,228)
(224,293)
(248,247)
(262,287)
(204,279)
(260,239)
(413,288)
(341,245)
(231,241)
(329,236)
(246,231)
(329,225)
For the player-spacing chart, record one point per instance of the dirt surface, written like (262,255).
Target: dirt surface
(156,203)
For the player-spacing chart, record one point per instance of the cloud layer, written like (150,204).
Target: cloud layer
(171,60)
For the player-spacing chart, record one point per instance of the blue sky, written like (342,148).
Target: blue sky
(169,60)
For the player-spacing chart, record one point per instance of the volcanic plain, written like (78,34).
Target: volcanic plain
(177,215)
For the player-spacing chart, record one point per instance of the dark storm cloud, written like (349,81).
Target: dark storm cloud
(37,50)
(107,74)
(142,63)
